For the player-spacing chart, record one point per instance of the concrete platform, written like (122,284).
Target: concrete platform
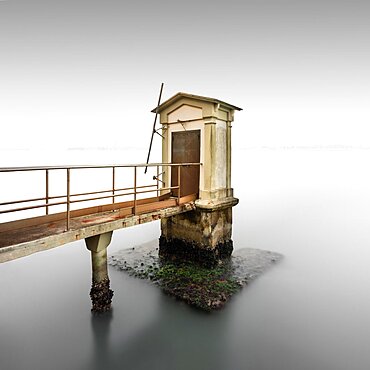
(25,237)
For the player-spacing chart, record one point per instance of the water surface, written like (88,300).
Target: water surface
(311,311)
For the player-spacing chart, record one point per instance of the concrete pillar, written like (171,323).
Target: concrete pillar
(100,293)
(202,235)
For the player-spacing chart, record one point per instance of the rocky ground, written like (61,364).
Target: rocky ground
(204,288)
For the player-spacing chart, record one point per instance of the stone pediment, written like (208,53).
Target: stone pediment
(185,112)
(185,107)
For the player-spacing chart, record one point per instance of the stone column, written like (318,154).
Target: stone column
(100,293)
(228,159)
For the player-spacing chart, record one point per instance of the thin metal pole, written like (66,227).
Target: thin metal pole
(157,181)
(68,197)
(153,131)
(135,190)
(47,190)
(179,184)
(113,183)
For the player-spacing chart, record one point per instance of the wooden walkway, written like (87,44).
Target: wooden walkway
(24,237)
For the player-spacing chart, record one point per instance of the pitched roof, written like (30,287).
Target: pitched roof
(195,97)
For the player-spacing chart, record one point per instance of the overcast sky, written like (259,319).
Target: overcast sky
(87,73)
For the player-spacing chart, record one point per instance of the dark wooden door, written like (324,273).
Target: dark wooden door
(186,149)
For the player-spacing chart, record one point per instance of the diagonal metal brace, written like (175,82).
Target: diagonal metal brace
(156,132)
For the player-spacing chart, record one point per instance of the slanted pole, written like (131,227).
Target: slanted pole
(100,293)
(154,130)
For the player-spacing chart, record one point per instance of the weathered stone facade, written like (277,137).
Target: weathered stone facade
(202,235)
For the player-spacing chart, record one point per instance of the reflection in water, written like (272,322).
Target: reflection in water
(176,337)
(100,325)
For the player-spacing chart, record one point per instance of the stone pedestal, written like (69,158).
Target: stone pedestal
(202,235)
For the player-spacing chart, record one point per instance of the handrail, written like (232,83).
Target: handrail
(113,192)
(77,167)
(76,195)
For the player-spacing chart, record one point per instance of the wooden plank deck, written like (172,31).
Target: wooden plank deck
(24,237)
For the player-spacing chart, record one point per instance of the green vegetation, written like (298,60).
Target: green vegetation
(205,288)
(201,287)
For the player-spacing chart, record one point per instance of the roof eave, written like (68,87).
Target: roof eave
(180,95)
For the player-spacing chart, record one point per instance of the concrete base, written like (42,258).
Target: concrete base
(202,235)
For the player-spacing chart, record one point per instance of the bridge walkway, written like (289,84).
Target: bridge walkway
(23,237)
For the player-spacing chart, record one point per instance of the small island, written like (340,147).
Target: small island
(205,288)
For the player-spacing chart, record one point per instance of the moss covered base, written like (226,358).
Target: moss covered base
(101,296)
(202,287)
(199,286)
(180,250)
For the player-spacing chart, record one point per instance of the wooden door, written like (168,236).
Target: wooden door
(186,149)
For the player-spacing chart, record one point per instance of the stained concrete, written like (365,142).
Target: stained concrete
(101,295)
(202,235)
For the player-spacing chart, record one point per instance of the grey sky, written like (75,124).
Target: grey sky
(80,70)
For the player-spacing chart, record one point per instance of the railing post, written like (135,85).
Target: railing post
(113,183)
(47,191)
(179,184)
(135,190)
(157,181)
(68,197)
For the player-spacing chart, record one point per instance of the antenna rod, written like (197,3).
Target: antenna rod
(153,131)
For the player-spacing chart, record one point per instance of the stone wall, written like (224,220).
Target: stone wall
(202,236)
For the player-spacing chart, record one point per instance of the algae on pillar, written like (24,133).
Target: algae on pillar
(202,235)
(198,129)
(100,293)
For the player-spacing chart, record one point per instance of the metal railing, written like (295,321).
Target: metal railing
(57,200)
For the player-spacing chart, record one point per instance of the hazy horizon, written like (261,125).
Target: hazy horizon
(83,73)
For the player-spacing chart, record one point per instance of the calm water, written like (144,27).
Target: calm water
(310,311)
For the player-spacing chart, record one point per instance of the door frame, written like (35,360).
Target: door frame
(199,132)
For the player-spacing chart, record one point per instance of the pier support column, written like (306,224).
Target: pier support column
(100,293)
(202,235)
